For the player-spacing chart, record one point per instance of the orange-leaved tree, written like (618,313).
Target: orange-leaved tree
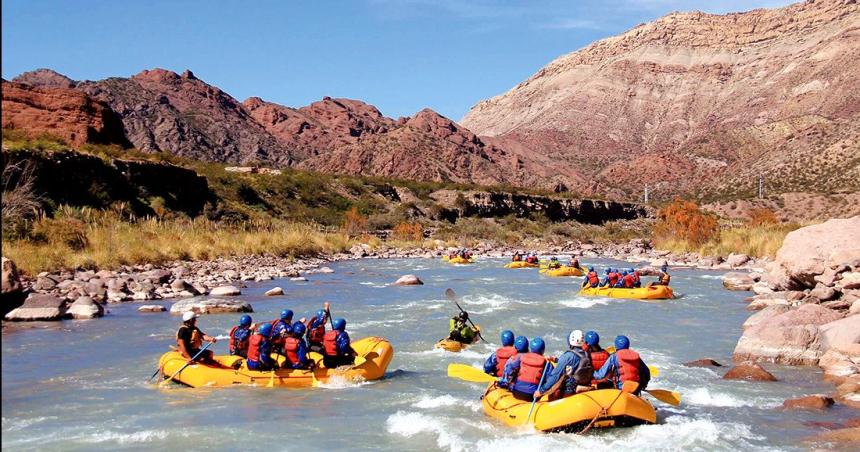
(354,223)
(762,217)
(408,231)
(683,220)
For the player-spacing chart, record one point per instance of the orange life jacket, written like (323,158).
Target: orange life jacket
(613,279)
(531,368)
(635,277)
(593,279)
(598,359)
(254,347)
(291,348)
(315,336)
(664,280)
(236,344)
(628,365)
(628,281)
(330,342)
(502,356)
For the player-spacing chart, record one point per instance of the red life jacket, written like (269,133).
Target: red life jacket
(291,349)
(254,347)
(628,365)
(330,342)
(233,345)
(575,263)
(531,368)
(593,279)
(599,358)
(531,259)
(613,279)
(628,281)
(316,335)
(664,280)
(502,356)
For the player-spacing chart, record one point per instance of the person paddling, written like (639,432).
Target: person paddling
(598,356)
(337,350)
(495,363)
(295,348)
(260,349)
(624,365)
(523,373)
(591,278)
(189,340)
(664,276)
(636,281)
(572,372)
(281,329)
(316,330)
(460,331)
(239,336)
(574,262)
(516,257)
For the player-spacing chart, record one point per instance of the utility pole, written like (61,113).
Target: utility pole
(760,186)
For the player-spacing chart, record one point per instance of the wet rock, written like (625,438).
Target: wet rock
(274,291)
(11,289)
(807,252)
(738,281)
(749,371)
(210,306)
(706,362)
(299,279)
(848,438)
(227,291)
(811,402)
(85,308)
(848,391)
(841,361)
(39,307)
(736,260)
(789,338)
(151,308)
(408,280)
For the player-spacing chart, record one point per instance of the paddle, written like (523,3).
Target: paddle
(534,402)
(186,364)
(466,372)
(453,297)
(326,306)
(670,397)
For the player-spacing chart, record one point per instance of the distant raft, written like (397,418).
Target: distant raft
(458,260)
(522,264)
(374,355)
(607,407)
(639,293)
(562,271)
(456,346)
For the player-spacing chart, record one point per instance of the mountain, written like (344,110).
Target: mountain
(696,102)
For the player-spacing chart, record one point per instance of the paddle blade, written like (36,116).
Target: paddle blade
(450,294)
(271,380)
(630,387)
(655,372)
(610,349)
(468,373)
(670,397)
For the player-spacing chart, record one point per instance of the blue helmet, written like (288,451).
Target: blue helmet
(592,338)
(622,343)
(507,338)
(537,346)
(266,329)
(320,313)
(245,320)
(287,314)
(631,270)
(299,328)
(340,324)
(608,271)
(591,268)
(624,273)
(521,344)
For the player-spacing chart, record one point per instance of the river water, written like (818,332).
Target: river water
(81,385)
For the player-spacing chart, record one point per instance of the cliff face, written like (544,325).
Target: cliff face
(693,98)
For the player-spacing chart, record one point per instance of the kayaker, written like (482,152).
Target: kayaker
(190,339)
(554,263)
(495,364)
(624,365)
(239,336)
(281,329)
(295,348)
(316,330)
(459,330)
(598,357)
(591,278)
(523,373)
(516,257)
(664,279)
(636,281)
(260,349)
(572,373)
(337,350)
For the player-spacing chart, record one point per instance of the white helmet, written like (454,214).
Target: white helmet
(576,338)
(188,315)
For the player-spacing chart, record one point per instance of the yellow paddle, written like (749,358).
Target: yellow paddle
(468,373)
(670,397)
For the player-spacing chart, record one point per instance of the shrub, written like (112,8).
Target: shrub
(354,224)
(762,217)
(62,231)
(682,220)
(408,231)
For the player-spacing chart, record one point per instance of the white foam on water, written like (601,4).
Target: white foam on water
(13,424)
(584,302)
(143,436)
(711,276)
(705,397)
(465,354)
(409,424)
(338,382)
(430,402)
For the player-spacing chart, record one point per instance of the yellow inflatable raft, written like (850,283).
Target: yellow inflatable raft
(521,264)
(458,260)
(571,414)
(563,271)
(641,293)
(374,354)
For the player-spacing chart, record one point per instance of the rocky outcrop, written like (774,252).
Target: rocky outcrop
(45,78)
(61,112)
(210,306)
(820,251)
(811,402)
(12,294)
(738,281)
(39,307)
(793,337)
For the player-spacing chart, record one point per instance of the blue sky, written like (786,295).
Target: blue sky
(400,55)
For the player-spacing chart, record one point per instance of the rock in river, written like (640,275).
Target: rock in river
(408,280)
(151,308)
(39,307)
(274,291)
(792,337)
(211,306)
(225,291)
(810,402)
(85,308)
(749,371)
(738,281)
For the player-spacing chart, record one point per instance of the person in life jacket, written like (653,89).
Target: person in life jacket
(664,279)
(532,258)
(573,371)
(295,348)
(460,331)
(337,350)
(611,279)
(554,263)
(260,349)
(189,340)
(523,373)
(239,336)
(636,281)
(628,281)
(495,363)
(574,262)
(516,257)
(281,329)
(591,278)
(316,330)
(598,358)
(624,365)
(620,282)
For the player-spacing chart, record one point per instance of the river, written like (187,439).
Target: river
(81,385)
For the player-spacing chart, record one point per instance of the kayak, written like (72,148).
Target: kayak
(641,293)
(563,271)
(374,354)
(570,414)
(521,264)
(458,260)
(456,346)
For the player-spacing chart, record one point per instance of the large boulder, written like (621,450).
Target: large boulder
(810,402)
(766,314)
(152,308)
(810,251)
(210,306)
(12,294)
(841,361)
(738,281)
(225,291)
(274,292)
(736,260)
(85,308)
(750,372)
(408,280)
(789,338)
(841,332)
(39,307)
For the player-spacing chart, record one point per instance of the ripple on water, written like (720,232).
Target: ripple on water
(706,397)
(584,302)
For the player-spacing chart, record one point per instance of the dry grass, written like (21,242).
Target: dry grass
(105,241)
(757,241)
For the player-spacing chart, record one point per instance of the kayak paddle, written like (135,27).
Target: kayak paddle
(453,297)
(186,364)
(670,397)
(327,305)
(468,373)
(534,401)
